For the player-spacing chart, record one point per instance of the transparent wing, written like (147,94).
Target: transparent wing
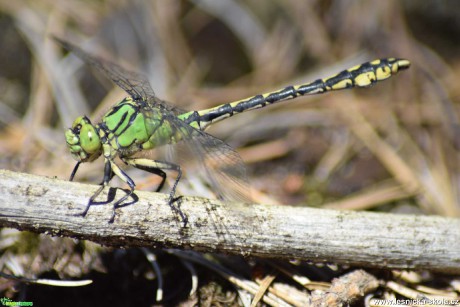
(221,164)
(224,168)
(135,84)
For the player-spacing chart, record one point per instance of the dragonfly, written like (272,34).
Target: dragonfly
(142,122)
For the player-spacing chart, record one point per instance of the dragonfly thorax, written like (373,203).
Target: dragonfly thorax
(131,126)
(83,140)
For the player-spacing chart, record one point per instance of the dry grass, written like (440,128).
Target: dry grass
(395,147)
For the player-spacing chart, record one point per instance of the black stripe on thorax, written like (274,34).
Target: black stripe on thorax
(130,121)
(121,121)
(117,107)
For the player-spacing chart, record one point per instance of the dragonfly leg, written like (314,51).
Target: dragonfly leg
(75,169)
(108,174)
(110,170)
(120,201)
(158,168)
(146,165)
(104,182)
(115,169)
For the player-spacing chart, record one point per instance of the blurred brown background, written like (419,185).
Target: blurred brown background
(394,147)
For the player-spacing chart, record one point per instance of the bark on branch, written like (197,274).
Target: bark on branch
(45,205)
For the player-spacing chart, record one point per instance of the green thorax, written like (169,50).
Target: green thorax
(131,126)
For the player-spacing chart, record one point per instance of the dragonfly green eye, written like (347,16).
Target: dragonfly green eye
(89,139)
(83,140)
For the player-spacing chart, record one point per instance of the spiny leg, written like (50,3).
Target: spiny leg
(105,180)
(144,164)
(158,168)
(108,174)
(123,176)
(110,170)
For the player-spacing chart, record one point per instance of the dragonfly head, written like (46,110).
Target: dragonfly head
(83,140)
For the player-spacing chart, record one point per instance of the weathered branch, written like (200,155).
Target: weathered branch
(49,206)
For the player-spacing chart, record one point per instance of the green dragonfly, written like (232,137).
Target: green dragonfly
(142,121)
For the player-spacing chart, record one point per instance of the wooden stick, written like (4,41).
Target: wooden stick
(45,205)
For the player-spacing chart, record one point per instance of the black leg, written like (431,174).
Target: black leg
(158,168)
(74,172)
(155,171)
(175,207)
(108,175)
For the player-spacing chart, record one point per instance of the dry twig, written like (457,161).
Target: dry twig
(44,205)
